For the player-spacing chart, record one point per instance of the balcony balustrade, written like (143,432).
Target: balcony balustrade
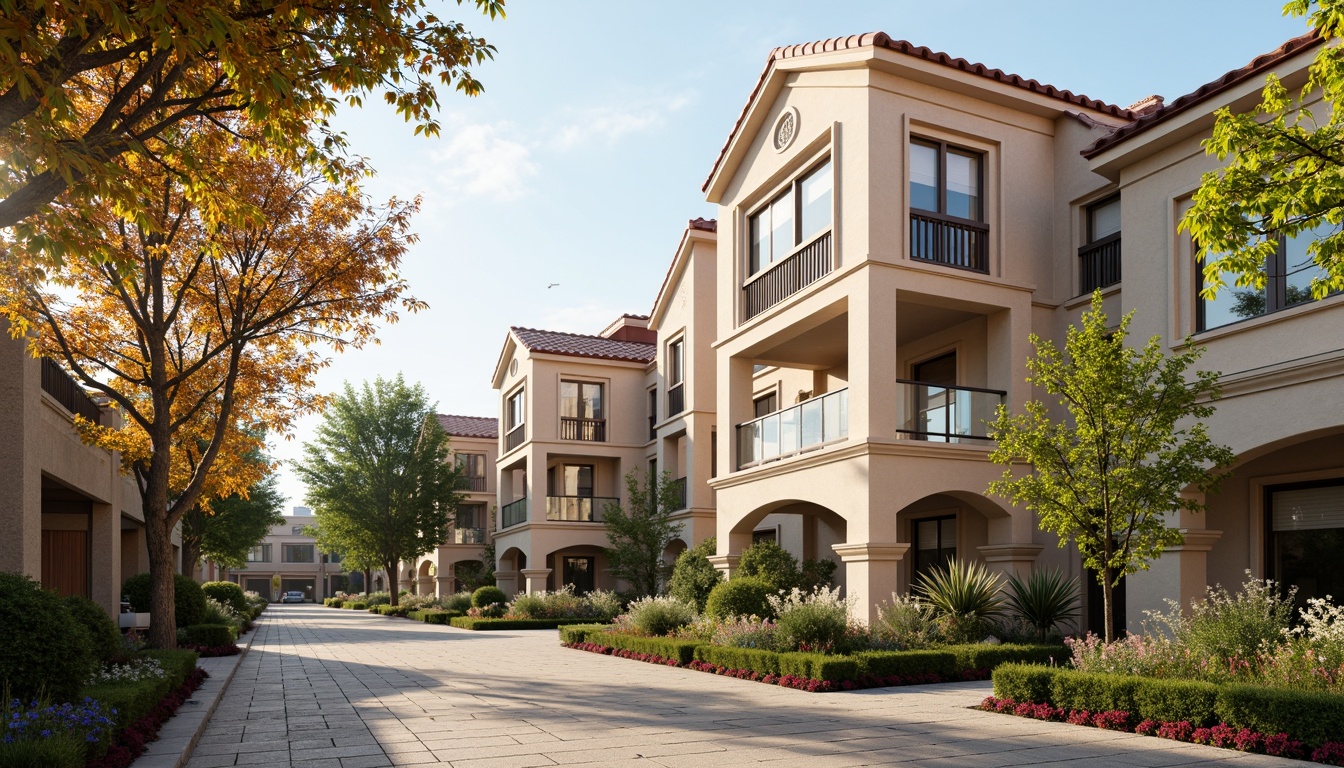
(786,432)
(474,484)
(592,430)
(57,383)
(947,414)
(514,513)
(577,509)
(949,241)
(1099,263)
(515,437)
(468,535)
(806,266)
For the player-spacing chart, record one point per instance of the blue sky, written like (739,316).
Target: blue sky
(583,159)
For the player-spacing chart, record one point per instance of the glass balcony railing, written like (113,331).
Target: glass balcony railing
(514,513)
(468,535)
(946,414)
(577,509)
(811,423)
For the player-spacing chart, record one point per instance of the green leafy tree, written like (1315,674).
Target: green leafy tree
(1284,172)
(770,563)
(378,477)
(637,537)
(693,576)
(1134,441)
(231,526)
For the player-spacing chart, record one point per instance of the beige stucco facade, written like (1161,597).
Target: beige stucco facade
(68,517)
(288,559)
(476,450)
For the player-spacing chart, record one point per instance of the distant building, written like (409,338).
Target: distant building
(288,560)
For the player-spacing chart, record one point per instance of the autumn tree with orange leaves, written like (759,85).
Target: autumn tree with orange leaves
(86,83)
(203,335)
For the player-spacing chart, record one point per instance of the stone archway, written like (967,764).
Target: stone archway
(424,579)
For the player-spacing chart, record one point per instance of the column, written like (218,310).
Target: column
(1011,559)
(535,579)
(871,573)
(105,551)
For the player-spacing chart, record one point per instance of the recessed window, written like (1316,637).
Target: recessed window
(934,542)
(794,217)
(676,375)
(296,553)
(1288,275)
(514,411)
(581,411)
(1099,259)
(259,554)
(946,198)
(765,405)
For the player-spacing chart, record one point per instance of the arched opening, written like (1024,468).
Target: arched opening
(424,582)
(583,568)
(807,530)
(508,576)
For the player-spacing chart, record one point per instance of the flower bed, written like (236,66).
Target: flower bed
(814,672)
(130,742)
(478,624)
(1311,718)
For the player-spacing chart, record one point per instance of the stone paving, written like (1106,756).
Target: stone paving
(324,687)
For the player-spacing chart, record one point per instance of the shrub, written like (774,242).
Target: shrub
(1224,626)
(222,613)
(582,633)
(458,602)
(485,623)
(908,622)
(188,599)
(966,596)
(38,733)
(1314,718)
(770,563)
(355,605)
(46,651)
(229,594)
(984,656)
(1024,683)
(604,605)
(489,601)
(104,635)
(378,598)
(658,616)
(693,576)
(908,663)
(810,622)
(681,651)
(1045,600)
(740,596)
(814,574)
(743,632)
(564,604)
(209,635)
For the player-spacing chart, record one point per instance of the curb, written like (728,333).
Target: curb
(179,736)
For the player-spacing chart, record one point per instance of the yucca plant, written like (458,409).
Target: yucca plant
(1044,600)
(967,597)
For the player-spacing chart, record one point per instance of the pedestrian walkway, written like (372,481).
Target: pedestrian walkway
(347,689)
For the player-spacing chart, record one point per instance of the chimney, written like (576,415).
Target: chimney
(630,328)
(1146,106)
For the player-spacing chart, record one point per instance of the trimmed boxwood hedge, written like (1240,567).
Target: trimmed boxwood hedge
(470,622)
(1313,718)
(681,651)
(355,606)
(133,701)
(433,615)
(209,635)
(574,634)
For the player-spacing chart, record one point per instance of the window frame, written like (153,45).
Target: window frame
(265,551)
(1276,287)
(509,410)
(289,548)
(915,562)
(942,148)
(599,412)
(754,267)
(462,459)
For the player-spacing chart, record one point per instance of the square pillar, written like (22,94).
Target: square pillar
(105,552)
(535,579)
(871,574)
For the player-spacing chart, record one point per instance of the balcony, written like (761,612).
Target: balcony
(57,383)
(1099,264)
(676,399)
(949,241)
(803,427)
(514,513)
(577,509)
(947,414)
(591,430)
(515,438)
(474,484)
(679,486)
(804,267)
(469,535)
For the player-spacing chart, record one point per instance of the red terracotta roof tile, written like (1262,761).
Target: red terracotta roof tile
(469,426)
(1257,66)
(580,345)
(705,225)
(882,39)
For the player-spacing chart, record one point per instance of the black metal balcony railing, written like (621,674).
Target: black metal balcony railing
(790,276)
(475,484)
(57,383)
(577,509)
(514,513)
(676,399)
(515,438)
(1099,263)
(949,241)
(468,535)
(793,430)
(680,485)
(947,414)
(592,430)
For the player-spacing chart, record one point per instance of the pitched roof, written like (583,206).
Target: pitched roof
(1257,66)
(469,426)
(580,345)
(883,40)
(699,223)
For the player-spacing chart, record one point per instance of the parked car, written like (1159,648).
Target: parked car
(292,597)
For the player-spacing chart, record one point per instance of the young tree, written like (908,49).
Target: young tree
(378,476)
(230,526)
(637,538)
(85,83)
(195,332)
(693,576)
(1284,172)
(1106,476)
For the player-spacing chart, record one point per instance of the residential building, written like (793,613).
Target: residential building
(475,449)
(289,560)
(893,225)
(68,516)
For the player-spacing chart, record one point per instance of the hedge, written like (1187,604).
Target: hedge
(209,635)
(390,610)
(1314,718)
(355,606)
(433,615)
(134,700)
(681,651)
(572,634)
(477,624)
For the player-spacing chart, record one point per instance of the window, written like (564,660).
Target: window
(947,205)
(1305,523)
(934,544)
(580,573)
(1099,259)
(297,530)
(259,554)
(581,411)
(576,480)
(653,414)
(1288,275)
(472,467)
(765,404)
(793,218)
(765,534)
(676,375)
(296,553)
(332,557)
(514,412)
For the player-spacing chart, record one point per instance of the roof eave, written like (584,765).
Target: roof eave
(676,272)
(511,342)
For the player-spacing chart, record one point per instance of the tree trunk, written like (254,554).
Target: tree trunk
(163,624)
(1106,603)
(191,555)
(392,574)
(368,579)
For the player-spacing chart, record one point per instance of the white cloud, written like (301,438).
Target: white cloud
(484,160)
(608,124)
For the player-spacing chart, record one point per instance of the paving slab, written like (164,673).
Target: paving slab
(328,687)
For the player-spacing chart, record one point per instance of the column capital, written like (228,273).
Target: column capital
(871,551)
(725,562)
(1197,540)
(535,573)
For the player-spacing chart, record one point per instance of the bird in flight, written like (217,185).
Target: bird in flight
(552,285)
